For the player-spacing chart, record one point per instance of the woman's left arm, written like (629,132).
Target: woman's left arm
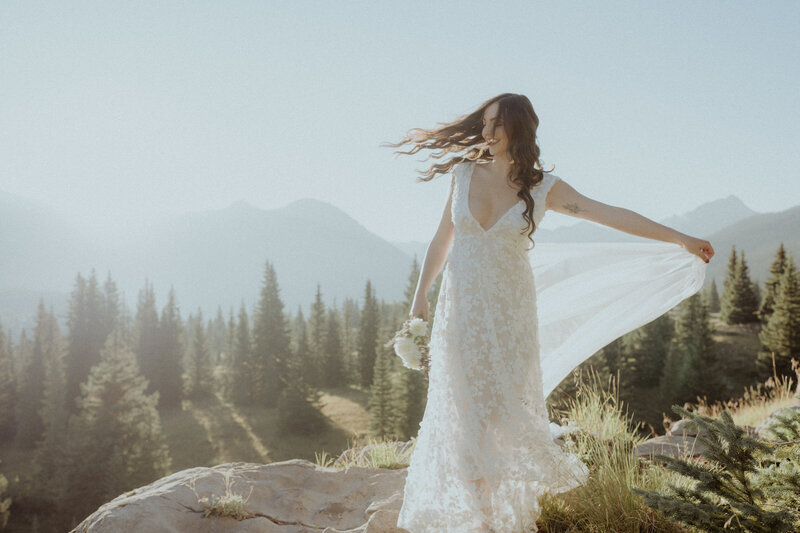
(562,198)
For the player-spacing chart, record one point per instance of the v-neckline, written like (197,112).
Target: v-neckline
(507,211)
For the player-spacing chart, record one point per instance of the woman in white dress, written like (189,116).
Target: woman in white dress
(484,453)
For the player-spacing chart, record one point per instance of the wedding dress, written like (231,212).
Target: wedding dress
(509,325)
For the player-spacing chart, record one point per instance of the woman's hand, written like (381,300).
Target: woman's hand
(698,247)
(420,307)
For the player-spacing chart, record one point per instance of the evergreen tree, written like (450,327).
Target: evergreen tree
(8,391)
(381,405)
(757,297)
(316,339)
(713,299)
(198,381)
(724,493)
(49,456)
(230,333)
(739,304)
(299,404)
(146,342)
(771,286)
(241,361)
(728,303)
(112,310)
(334,359)
(91,315)
(350,328)
(410,391)
(115,443)
(271,342)
(169,380)
(648,347)
(694,336)
(45,346)
(217,331)
(301,350)
(368,336)
(781,334)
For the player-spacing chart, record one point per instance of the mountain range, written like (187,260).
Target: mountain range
(217,258)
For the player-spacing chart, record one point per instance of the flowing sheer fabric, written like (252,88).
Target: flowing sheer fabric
(592,293)
(509,325)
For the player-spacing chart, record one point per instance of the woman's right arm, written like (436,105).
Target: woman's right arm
(434,259)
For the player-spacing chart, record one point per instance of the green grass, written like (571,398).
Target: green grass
(606,442)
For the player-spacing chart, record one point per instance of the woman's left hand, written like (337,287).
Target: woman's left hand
(698,247)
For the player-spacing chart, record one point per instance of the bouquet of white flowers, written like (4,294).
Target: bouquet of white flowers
(411,344)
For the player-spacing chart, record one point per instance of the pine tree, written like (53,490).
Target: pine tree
(334,359)
(49,456)
(8,391)
(771,286)
(713,298)
(112,311)
(739,303)
(146,335)
(45,346)
(728,303)
(698,371)
(691,367)
(115,443)
(242,361)
(299,404)
(271,343)
(217,331)
(724,493)
(91,315)
(301,348)
(169,380)
(199,378)
(368,337)
(350,328)
(648,347)
(316,339)
(781,334)
(381,405)
(694,336)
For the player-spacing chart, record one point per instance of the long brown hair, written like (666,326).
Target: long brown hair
(464,133)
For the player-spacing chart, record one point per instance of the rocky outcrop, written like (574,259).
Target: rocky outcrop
(294,496)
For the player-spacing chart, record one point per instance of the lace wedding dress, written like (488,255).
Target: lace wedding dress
(484,452)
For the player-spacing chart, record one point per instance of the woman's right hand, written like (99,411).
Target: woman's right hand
(420,307)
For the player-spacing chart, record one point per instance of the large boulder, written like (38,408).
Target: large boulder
(293,496)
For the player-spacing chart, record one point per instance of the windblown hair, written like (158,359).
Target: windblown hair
(520,122)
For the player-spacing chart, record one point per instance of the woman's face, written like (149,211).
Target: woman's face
(493,132)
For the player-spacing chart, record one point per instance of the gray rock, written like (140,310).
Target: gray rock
(293,496)
(763,430)
(672,445)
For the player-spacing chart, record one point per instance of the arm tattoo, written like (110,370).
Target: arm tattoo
(572,208)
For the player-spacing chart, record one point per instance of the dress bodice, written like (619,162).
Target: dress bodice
(510,223)
(509,233)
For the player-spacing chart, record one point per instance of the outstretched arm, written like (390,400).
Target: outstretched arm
(562,198)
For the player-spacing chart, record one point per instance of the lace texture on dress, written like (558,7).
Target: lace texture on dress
(485,416)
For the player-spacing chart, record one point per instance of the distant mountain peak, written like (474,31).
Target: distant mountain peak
(241,205)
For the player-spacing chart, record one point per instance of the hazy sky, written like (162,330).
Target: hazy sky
(120,111)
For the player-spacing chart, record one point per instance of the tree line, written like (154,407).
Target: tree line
(675,359)
(87,402)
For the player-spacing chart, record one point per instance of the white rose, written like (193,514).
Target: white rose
(404,346)
(413,360)
(418,327)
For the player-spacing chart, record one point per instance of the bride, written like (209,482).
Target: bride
(511,321)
